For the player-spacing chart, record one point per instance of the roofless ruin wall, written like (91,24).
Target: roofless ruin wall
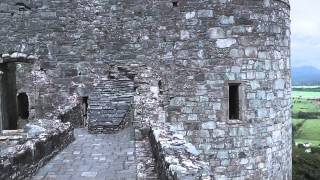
(199,48)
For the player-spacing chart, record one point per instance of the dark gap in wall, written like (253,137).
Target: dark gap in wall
(23,6)
(85,101)
(138,13)
(23,106)
(234,101)
(164,39)
(242,155)
(160,85)
(43,70)
(131,76)
(244,20)
(111,76)
(85,106)
(175,3)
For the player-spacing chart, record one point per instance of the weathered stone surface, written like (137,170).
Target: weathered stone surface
(215,33)
(109,105)
(74,116)
(189,50)
(21,157)
(225,43)
(177,159)
(109,156)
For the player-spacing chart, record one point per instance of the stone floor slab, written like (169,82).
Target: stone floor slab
(94,157)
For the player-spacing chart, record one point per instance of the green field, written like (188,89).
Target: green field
(305,94)
(296,121)
(305,105)
(305,100)
(309,132)
(306,128)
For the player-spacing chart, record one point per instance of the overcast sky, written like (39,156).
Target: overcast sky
(305,16)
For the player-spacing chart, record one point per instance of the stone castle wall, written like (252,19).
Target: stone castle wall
(196,47)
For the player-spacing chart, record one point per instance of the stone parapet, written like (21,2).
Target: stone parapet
(176,158)
(74,116)
(22,153)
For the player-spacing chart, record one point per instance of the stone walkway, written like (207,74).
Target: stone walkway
(98,157)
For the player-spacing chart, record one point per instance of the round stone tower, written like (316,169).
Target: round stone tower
(229,83)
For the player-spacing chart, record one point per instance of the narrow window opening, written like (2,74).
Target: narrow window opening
(23,106)
(175,4)
(85,110)
(234,101)
(160,87)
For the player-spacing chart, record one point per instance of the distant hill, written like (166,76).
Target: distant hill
(305,75)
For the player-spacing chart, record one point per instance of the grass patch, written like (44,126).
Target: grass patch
(309,132)
(305,165)
(306,94)
(305,105)
(296,121)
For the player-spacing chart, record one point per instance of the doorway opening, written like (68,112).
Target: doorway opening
(84,107)
(23,106)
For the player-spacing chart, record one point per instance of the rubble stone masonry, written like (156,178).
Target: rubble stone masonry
(185,54)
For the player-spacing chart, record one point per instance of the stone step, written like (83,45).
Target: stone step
(107,123)
(110,102)
(96,97)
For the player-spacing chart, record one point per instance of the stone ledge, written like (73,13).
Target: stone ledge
(17,57)
(22,160)
(176,158)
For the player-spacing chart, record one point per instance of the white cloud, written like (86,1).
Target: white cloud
(305,16)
